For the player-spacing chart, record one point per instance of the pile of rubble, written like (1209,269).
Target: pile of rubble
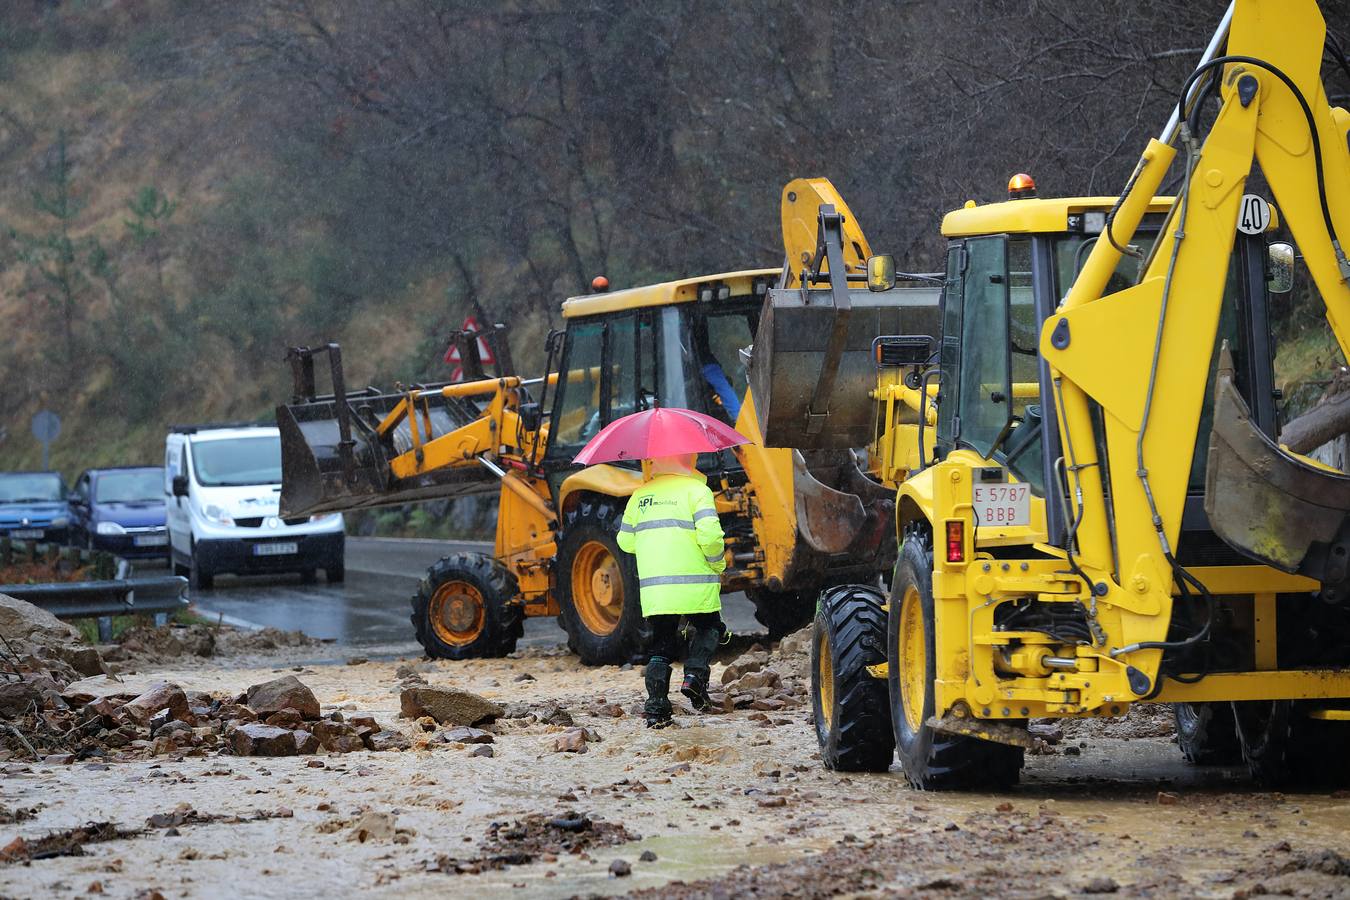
(104,718)
(148,644)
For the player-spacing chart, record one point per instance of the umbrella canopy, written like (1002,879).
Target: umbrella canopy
(659,432)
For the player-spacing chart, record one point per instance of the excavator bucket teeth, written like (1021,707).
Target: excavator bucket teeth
(317,476)
(1269,504)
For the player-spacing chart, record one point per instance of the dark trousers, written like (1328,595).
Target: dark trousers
(663,648)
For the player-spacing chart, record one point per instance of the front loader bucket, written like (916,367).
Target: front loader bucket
(322,472)
(1275,507)
(814,392)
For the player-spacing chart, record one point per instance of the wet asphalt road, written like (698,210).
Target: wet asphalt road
(370,609)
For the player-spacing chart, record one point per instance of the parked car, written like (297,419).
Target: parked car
(222,485)
(33,506)
(120,510)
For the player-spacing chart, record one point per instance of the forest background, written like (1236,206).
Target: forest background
(188,187)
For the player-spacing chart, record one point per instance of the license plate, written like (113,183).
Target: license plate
(1002,504)
(150,540)
(278,549)
(26,533)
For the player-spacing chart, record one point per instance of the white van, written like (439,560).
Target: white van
(222,485)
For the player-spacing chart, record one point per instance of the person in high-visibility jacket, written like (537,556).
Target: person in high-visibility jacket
(671,525)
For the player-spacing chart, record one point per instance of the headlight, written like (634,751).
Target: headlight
(215,514)
(325,517)
(110,528)
(60,522)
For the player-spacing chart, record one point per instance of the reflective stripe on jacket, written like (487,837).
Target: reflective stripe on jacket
(671,525)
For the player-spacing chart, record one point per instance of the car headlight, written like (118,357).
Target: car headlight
(215,514)
(325,517)
(110,528)
(60,522)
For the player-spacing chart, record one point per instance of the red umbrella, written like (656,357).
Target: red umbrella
(659,432)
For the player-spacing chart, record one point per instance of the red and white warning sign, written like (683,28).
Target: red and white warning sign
(484,351)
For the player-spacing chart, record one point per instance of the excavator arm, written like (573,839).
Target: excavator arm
(1143,355)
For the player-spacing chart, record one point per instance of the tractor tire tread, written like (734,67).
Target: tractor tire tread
(852,619)
(504,623)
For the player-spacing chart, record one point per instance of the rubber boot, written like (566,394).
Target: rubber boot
(698,665)
(657,708)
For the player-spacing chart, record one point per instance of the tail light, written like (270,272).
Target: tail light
(956,542)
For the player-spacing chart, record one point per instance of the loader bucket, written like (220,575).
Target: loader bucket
(1273,506)
(796,363)
(316,478)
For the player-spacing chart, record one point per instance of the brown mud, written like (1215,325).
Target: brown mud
(727,805)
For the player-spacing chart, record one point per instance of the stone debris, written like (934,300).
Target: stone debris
(287,692)
(466,735)
(447,706)
(574,740)
(538,835)
(39,643)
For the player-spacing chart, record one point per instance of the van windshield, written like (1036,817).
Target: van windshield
(235,462)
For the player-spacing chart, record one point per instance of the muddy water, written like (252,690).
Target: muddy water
(698,806)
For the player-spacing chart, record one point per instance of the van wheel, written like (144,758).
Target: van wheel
(198,579)
(932,760)
(853,725)
(598,587)
(463,609)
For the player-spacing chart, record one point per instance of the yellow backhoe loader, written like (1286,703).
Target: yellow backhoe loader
(794,522)
(1107,517)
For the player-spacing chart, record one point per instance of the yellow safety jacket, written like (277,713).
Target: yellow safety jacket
(671,525)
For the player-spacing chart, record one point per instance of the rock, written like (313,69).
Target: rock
(747,662)
(466,735)
(796,644)
(516,711)
(1050,732)
(36,632)
(286,718)
(757,680)
(612,710)
(372,826)
(447,706)
(555,715)
(1101,885)
(647,856)
(59,759)
(388,740)
(163,696)
(573,740)
(767,704)
(483,750)
(769,802)
(305,743)
(1167,798)
(620,869)
(357,661)
(262,740)
(235,712)
(345,743)
(17,697)
(103,708)
(282,693)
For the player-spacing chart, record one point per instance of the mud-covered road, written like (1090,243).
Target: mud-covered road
(726,805)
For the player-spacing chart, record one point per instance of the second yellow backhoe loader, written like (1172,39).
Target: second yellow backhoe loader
(794,522)
(1107,516)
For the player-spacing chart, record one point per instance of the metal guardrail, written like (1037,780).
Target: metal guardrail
(149,595)
(118,595)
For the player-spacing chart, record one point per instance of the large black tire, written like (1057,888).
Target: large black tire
(852,712)
(932,761)
(1207,734)
(783,612)
(1284,747)
(198,578)
(463,609)
(590,569)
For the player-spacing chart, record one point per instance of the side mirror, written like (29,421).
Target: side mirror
(880,272)
(1281,268)
(73,498)
(180,486)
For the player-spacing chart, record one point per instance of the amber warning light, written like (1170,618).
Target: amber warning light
(1021,186)
(599,284)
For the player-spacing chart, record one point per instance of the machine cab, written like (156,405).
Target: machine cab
(1008,267)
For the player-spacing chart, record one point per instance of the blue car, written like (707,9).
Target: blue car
(33,507)
(120,510)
